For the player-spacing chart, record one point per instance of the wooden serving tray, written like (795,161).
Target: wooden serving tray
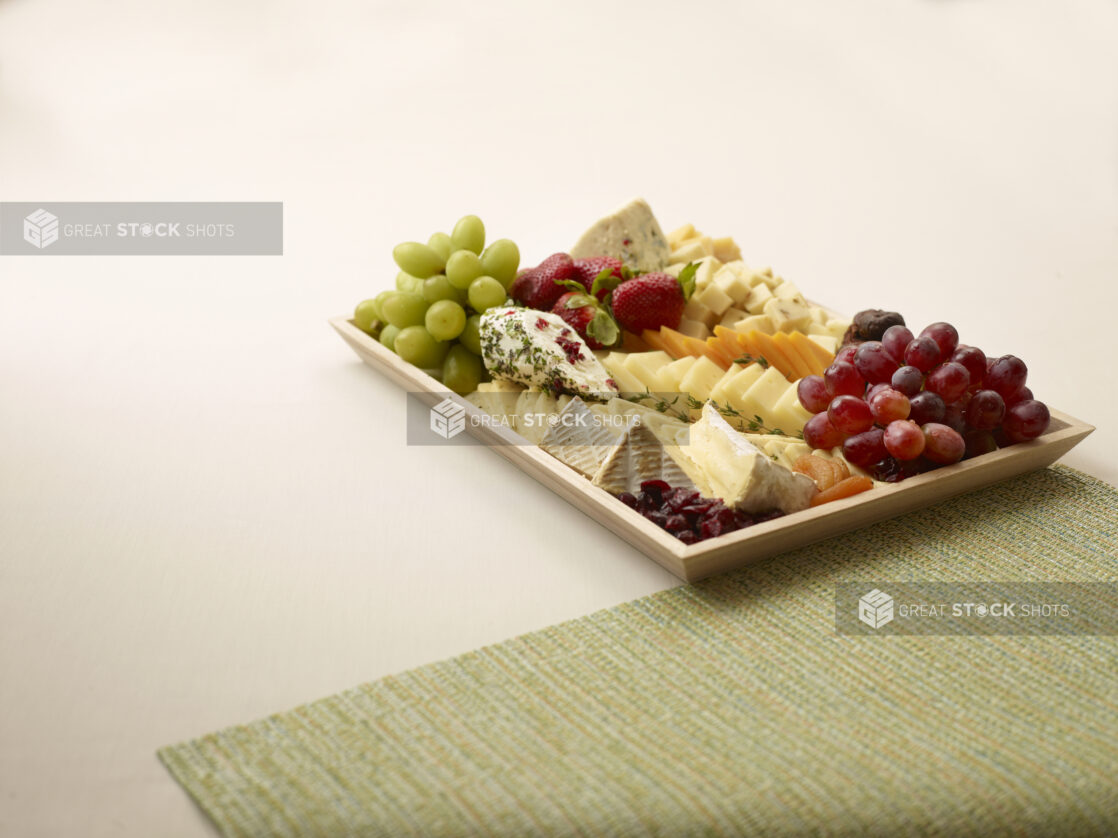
(737,549)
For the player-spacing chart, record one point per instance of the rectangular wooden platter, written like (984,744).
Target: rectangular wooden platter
(740,548)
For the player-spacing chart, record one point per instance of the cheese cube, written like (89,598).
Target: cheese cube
(734,284)
(701,378)
(674,268)
(818,315)
(789,291)
(646,366)
(766,277)
(826,341)
(670,376)
(790,416)
(837,328)
(755,322)
(732,316)
(761,398)
(708,267)
(698,311)
(726,250)
(681,234)
(626,382)
(693,328)
(787,315)
(693,249)
(757,299)
(715,299)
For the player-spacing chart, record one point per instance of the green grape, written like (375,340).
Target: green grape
(462,370)
(471,334)
(417,259)
(388,336)
(500,261)
(407,282)
(445,320)
(462,268)
(440,243)
(486,293)
(437,288)
(404,309)
(469,234)
(416,346)
(379,300)
(365,314)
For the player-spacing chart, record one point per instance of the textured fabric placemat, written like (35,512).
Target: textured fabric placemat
(727,707)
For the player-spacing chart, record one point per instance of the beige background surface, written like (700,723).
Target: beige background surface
(207,510)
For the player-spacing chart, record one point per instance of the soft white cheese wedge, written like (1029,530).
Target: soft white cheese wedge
(580,438)
(724,464)
(632,234)
(536,348)
(640,456)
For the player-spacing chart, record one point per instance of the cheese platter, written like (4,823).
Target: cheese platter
(706,412)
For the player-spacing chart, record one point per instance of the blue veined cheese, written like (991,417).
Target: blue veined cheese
(538,349)
(631,234)
(724,464)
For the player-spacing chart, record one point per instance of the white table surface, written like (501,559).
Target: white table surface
(207,509)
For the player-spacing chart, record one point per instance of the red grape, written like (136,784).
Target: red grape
(949,380)
(974,359)
(926,407)
(865,449)
(1006,375)
(875,389)
(889,405)
(1020,395)
(979,443)
(923,353)
(904,440)
(820,433)
(909,380)
(945,336)
(843,380)
(846,353)
(813,394)
(985,410)
(953,417)
(873,362)
(1025,420)
(895,340)
(850,414)
(942,444)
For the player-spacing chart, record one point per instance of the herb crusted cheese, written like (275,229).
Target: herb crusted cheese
(538,349)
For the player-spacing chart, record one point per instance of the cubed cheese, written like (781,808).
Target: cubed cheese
(758,296)
(715,299)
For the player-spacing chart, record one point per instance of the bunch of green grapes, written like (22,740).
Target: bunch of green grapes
(431,319)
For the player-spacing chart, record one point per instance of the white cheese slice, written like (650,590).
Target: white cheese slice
(724,464)
(631,234)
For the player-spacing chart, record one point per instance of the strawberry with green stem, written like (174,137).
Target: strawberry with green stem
(648,301)
(587,316)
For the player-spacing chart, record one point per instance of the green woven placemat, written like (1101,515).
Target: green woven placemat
(727,707)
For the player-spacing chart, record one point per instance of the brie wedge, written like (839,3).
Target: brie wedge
(638,457)
(580,438)
(724,464)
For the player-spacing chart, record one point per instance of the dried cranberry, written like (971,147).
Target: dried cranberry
(675,523)
(687,536)
(628,499)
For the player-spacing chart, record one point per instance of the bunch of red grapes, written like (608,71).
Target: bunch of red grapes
(906,404)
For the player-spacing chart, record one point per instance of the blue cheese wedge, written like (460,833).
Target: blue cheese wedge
(724,464)
(632,234)
(538,349)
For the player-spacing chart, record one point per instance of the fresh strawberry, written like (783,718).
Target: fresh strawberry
(587,316)
(538,287)
(653,300)
(588,270)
